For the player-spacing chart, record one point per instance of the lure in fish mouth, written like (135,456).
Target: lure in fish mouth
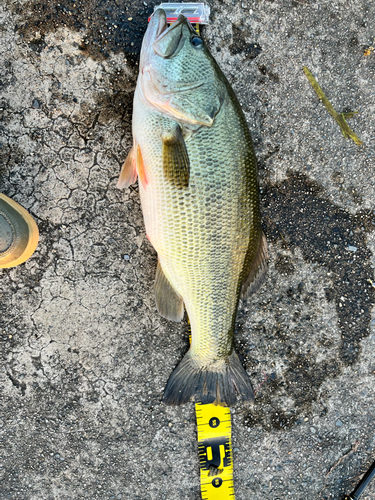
(193,155)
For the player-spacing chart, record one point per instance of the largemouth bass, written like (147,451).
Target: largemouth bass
(194,158)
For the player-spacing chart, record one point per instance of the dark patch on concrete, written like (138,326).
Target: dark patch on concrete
(353,41)
(7,77)
(10,156)
(37,362)
(338,179)
(109,27)
(301,381)
(272,76)
(284,265)
(298,3)
(297,213)
(19,385)
(240,46)
(304,376)
(262,159)
(117,102)
(37,44)
(281,420)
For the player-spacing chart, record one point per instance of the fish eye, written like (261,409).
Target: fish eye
(196,41)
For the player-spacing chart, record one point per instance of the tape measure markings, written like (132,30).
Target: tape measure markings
(215,451)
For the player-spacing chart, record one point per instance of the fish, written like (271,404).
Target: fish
(197,175)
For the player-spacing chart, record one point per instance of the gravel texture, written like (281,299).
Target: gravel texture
(85,356)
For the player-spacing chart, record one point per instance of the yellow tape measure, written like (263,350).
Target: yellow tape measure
(215,451)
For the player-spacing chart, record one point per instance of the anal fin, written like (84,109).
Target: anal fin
(176,163)
(257,270)
(128,174)
(169,304)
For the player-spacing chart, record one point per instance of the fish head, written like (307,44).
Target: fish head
(178,75)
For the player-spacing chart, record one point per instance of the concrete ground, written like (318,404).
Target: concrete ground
(85,356)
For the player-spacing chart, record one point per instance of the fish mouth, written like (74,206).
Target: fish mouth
(155,88)
(163,29)
(162,25)
(159,19)
(163,40)
(156,27)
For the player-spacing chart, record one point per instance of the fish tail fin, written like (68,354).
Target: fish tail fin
(215,383)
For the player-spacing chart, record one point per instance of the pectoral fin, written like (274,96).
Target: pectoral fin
(169,304)
(141,169)
(176,163)
(257,269)
(128,174)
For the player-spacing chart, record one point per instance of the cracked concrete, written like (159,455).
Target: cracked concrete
(85,356)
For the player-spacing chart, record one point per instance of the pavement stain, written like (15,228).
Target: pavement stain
(297,213)
(117,102)
(327,235)
(106,25)
(10,155)
(239,44)
(19,385)
(284,265)
(267,72)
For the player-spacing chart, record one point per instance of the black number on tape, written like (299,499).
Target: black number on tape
(214,422)
(217,482)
